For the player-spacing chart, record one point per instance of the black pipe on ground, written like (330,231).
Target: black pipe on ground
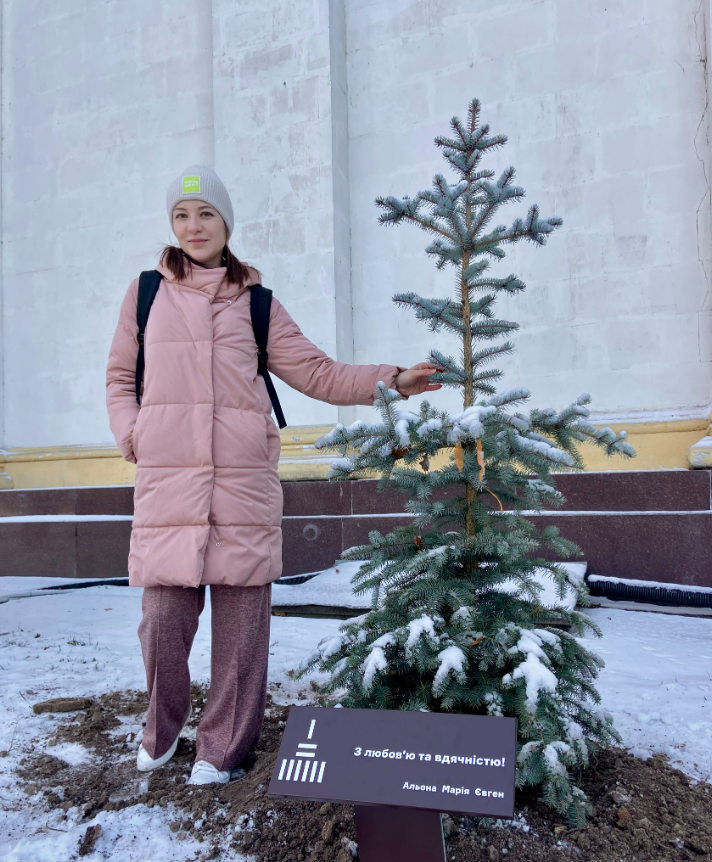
(658,594)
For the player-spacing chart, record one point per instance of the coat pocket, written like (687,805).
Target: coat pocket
(135,436)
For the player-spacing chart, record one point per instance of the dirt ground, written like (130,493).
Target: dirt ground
(644,811)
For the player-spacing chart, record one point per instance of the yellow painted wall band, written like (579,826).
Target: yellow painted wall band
(660,446)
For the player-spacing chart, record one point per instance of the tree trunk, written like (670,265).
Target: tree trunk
(469,397)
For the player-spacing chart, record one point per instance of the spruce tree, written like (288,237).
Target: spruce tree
(456,623)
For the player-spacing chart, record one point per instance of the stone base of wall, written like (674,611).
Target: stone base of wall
(676,444)
(646,525)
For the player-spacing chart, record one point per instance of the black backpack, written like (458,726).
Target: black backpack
(260,302)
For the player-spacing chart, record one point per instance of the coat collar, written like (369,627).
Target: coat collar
(211,282)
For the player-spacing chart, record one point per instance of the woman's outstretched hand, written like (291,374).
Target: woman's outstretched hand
(417,379)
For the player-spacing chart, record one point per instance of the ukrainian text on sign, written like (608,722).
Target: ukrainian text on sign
(387,757)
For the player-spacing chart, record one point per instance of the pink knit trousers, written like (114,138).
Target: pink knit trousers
(235,705)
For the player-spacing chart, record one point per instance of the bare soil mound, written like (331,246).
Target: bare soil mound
(644,811)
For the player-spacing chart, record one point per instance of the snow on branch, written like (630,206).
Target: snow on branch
(509,397)
(417,628)
(542,448)
(376,660)
(470,423)
(571,425)
(534,669)
(452,660)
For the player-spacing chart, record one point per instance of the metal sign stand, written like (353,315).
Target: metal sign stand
(387,834)
(392,766)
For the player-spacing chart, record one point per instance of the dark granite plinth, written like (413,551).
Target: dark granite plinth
(65,549)
(672,543)
(310,544)
(102,549)
(39,549)
(111,500)
(639,491)
(667,547)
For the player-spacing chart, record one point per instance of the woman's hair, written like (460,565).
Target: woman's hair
(180,265)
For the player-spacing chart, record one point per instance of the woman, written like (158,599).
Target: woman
(207,500)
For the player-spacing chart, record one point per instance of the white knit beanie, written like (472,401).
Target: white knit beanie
(201,183)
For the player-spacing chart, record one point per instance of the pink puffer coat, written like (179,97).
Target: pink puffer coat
(207,501)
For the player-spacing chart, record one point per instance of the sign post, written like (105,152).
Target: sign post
(399,769)
(388,834)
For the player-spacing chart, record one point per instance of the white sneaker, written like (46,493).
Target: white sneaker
(145,763)
(205,773)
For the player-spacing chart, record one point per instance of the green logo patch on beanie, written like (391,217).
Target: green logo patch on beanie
(191,185)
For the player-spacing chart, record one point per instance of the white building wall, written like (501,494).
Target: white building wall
(104,104)
(2,304)
(310,110)
(274,149)
(605,108)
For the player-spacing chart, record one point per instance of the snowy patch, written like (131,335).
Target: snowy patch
(33,668)
(657,665)
(470,423)
(493,699)
(510,395)
(71,753)
(375,662)
(632,582)
(430,425)
(452,660)
(136,834)
(40,519)
(533,669)
(548,595)
(462,614)
(331,646)
(642,753)
(660,662)
(518,822)
(345,464)
(551,756)
(401,429)
(416,628)
(331,588)
(538,678)
(543,449)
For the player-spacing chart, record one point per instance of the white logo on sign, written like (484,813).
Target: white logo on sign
(303,766)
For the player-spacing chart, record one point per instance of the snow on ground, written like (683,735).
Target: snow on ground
(657,684)
(137,833)
(331,587)
(83,643)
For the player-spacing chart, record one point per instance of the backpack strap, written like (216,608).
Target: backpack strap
(260,304)
(148,284)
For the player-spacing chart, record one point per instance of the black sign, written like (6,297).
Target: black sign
(434,761)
